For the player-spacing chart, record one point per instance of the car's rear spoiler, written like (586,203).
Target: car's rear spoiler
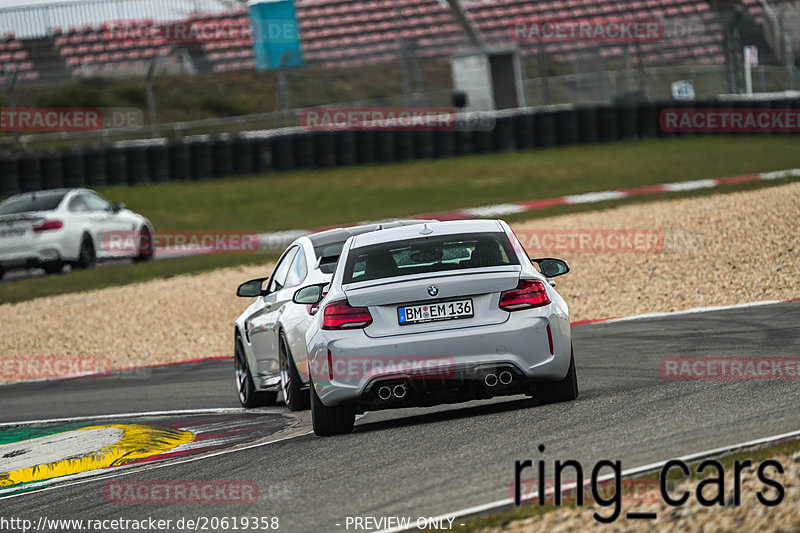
(330,260)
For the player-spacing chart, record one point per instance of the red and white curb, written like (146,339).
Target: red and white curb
(284,238)
(602,196)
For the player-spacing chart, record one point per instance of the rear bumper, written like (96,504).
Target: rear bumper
(448,365)
(32,256)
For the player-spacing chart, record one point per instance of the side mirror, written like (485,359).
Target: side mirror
(552,267)
(117,207)
(252,288)
(311,295)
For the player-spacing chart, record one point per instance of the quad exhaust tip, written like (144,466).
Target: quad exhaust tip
(490,380)
(386,392)
(505,377)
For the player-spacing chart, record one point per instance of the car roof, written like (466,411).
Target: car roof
(435,228)
(332,236)
(48,192)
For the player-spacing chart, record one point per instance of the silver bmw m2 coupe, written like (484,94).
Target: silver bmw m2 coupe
(443,312)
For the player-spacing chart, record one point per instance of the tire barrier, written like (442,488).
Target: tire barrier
(524,129)
(263,156)
(505,133)
(202,162)
(464,142)
(761,105)
(545,127)
(266,151)
(567,127)
(281,149)
(221,157)
(366,147)
(179,158)
(385,141)
(52,170)
(345,149)
(74,168)
(587,125)
(158,162)
(243,159)
(116,166)
(647,116)
(9,174)
(483,141)
(444,144)
(324,149)
(607,124)
(94,161)
(627,122)
(685,106)
(302,149)
(404,146)
(660,108)
(423,144)
(30,172)
(137,167)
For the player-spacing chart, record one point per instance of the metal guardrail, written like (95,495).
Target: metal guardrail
(235,124)
(571,88)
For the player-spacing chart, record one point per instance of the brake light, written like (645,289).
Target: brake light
(48,225)
(527,295)
(341,315)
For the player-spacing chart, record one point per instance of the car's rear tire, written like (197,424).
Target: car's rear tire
(294,396)
(328,421)
(248,395)
(145,250)
(564,390)
(53,267)
(86,255)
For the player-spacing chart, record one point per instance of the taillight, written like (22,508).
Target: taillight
(48,225)
(527,295)
(341,315)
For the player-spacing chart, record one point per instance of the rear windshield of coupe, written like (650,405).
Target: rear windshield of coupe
(34,202)
(428,255)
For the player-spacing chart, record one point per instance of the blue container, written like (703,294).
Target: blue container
(275,32)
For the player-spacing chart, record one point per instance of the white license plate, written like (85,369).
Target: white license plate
(9,233)
(433,312)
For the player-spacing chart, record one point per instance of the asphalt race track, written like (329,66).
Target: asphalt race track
(431,462)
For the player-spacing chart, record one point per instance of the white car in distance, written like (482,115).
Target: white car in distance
(56,227)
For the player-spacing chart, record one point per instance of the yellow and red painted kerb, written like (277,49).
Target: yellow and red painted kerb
(84,449)
(36,453)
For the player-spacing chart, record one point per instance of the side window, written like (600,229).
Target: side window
(78,204)
(278,280)
(95,203)
(298,270)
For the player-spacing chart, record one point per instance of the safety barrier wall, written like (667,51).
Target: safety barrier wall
(263,152)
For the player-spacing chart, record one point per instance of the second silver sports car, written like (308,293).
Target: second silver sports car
(269,337)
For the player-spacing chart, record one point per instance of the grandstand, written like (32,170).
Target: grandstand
(345,33)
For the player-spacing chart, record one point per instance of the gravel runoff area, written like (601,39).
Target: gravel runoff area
(750,515)
(716,250)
